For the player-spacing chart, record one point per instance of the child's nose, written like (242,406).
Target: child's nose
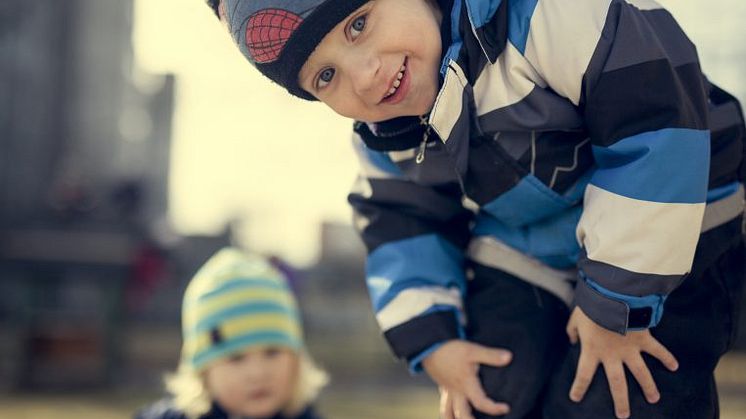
(364,71)
(254,370)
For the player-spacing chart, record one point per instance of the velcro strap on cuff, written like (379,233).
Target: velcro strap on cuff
(616,312)
(606,312)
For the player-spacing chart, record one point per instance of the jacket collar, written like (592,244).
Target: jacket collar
(488,22)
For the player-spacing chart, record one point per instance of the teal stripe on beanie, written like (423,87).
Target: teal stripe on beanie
(235,345)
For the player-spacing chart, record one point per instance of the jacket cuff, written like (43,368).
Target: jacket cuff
(617,312)
(415,364)
(411,340)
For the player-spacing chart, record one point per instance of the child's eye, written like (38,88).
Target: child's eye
(237,357)
(357,25)
(325,77)
(272,352)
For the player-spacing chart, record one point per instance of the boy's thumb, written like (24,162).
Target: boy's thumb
(495,357)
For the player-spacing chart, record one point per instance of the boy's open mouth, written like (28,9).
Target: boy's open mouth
(398,86)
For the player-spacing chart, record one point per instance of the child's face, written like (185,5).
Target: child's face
(258,382)
(380,62)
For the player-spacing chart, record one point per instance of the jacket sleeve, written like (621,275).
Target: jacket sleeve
(415,236)
(636,78)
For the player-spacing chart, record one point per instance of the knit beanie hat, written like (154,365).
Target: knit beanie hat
(236,301)
(278,36)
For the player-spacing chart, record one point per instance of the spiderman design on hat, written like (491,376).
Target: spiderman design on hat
(265,27)
(267,31)
(277,36)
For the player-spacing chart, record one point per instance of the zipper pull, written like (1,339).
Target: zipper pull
(423,145)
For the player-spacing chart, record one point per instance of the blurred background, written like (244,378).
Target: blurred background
(134,142)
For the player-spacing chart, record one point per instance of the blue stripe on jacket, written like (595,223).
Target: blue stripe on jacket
(531,200)
(670,165)
(454,49)
(520,13)
(551,241)
(422,261)
(481,11)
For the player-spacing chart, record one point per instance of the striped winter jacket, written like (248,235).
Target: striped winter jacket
(575,144)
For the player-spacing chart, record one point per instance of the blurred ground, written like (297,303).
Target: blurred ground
(341,400)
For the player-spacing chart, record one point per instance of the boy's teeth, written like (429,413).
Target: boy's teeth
(397,82)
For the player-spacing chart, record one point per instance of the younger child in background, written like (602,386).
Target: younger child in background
(243,353)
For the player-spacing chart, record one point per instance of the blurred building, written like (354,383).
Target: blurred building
(76,121)
(85,142)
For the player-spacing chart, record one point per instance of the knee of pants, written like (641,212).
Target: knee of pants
(521,383)
(506,312)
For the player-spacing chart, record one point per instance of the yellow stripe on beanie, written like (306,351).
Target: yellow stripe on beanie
(209,307)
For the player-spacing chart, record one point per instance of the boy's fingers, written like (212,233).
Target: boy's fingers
(491,356)
(446,404)
(583,376)
(618,387)
(656,349)
(461,408)
(481,402)
(642,374)
(572,333)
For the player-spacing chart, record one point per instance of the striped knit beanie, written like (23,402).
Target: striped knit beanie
(236,301)
(278,36)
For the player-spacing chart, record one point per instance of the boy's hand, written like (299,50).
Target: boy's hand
(454,368)
(454,405)
(614,351)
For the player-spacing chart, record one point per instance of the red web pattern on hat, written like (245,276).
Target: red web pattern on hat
(268,31)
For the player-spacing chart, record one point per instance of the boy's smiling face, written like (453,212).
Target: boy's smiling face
(381,62)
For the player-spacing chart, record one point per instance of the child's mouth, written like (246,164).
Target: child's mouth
(398,86)
(259,394)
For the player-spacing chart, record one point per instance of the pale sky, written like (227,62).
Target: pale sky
(242,147)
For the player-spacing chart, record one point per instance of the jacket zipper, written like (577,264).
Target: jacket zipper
(423,145)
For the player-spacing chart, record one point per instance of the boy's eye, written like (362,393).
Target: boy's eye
(325,77)
(357,25)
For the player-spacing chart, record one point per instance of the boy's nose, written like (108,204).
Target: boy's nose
(365,73)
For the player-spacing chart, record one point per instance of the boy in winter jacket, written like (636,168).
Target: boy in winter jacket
(243,353)
(540,178)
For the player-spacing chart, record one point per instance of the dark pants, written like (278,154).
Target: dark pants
(698,327)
